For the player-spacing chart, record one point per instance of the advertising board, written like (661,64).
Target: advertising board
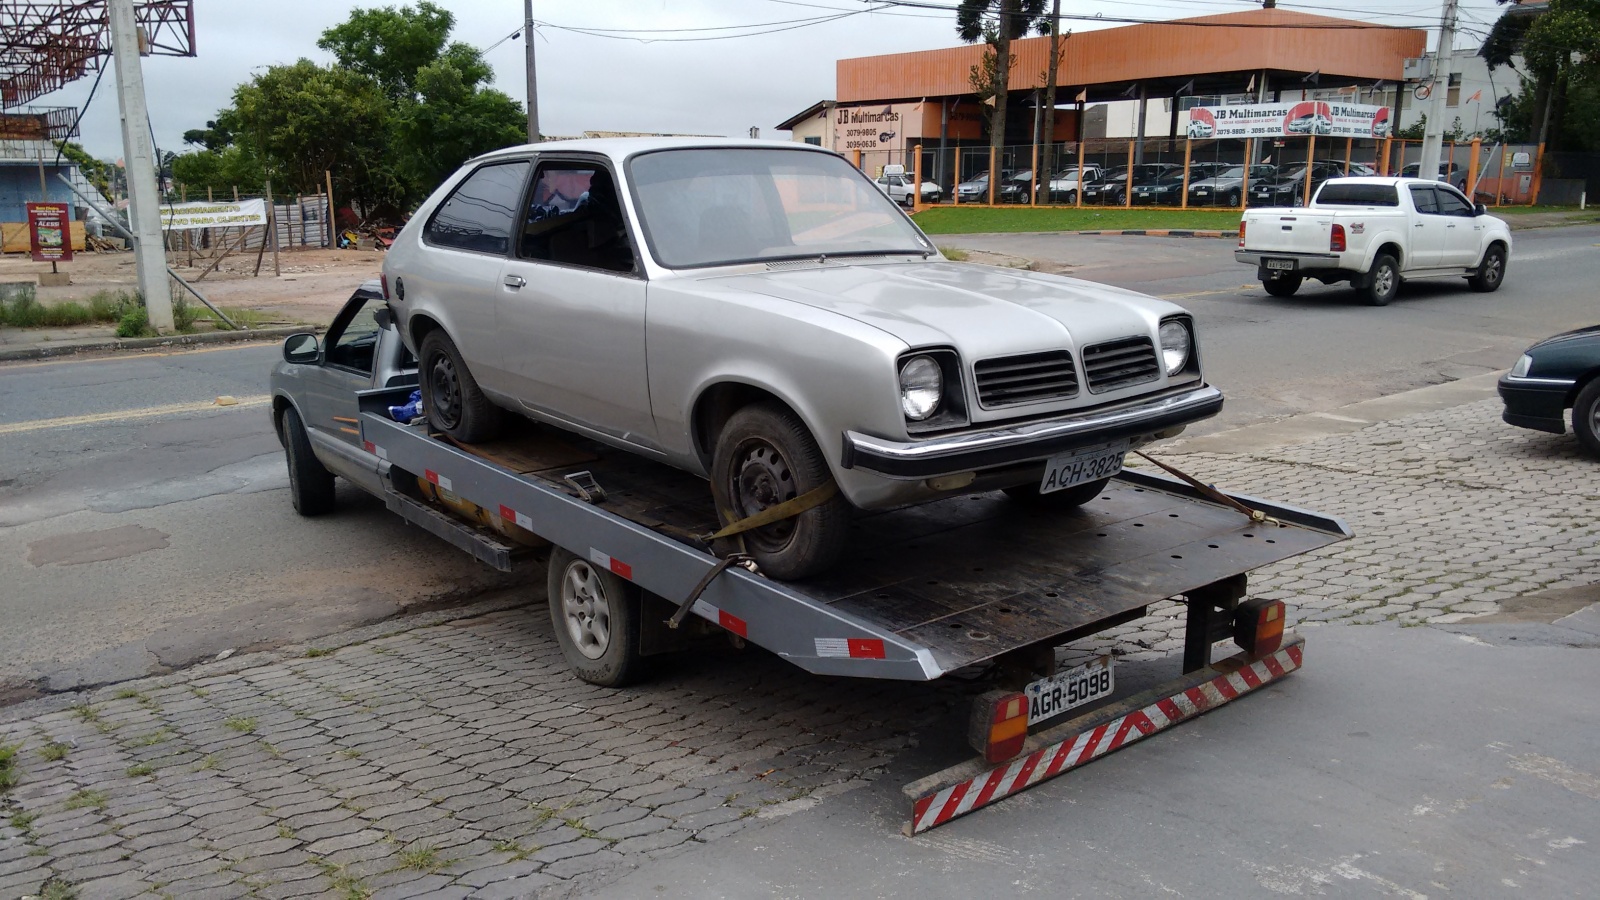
(221,214)
(49,237)
(1303,118)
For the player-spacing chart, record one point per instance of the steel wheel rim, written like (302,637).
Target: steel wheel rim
(1383,281)
(585,611)
(762,478)
(444,390)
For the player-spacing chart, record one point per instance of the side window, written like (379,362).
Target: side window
(479,214)
(575,218)
(1423,197)
(1452,203)
(353,337)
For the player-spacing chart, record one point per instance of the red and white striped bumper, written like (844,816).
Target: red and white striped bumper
(1089,737)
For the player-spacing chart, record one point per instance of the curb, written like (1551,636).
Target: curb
(1167,232)
(176,340)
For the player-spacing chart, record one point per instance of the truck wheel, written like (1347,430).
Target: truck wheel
(310,482)
(1283,285)
(1069,498)
(1586,417)
(1383,282)
(1490,272)
(596,618)
(451,397)
(763,457)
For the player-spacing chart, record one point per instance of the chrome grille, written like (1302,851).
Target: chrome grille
(1031,378)
(1118,364)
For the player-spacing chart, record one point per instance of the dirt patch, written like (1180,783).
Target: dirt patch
(96,546)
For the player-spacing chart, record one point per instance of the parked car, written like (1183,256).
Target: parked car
(897,184)
(977,189)
(1064,187)
(1225,188)
(1557,374)
(1114,188)
(760,314)
(1376,233)
(1289,188)
(1449,173)
(1014,188)
(1166,189)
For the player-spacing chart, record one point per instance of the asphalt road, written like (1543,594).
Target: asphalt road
(124,459)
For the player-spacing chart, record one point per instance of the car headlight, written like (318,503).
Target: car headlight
(1175,346)
(921,386)
(1520,370)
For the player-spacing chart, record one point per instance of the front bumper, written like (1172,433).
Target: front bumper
(1537,403)
(972,451)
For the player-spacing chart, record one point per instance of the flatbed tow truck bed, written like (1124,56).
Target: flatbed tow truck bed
(923,591)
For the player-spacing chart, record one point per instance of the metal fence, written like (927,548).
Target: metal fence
(1195,173)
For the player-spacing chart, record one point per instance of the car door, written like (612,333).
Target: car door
(1427,230)
(571,305)
(1463,230)
(328,406)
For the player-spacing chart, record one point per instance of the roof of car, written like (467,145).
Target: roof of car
(619,148)
(1383,179)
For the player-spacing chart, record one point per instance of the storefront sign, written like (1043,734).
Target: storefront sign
(1302,118)
(868,128)
(180,216)
(49,232)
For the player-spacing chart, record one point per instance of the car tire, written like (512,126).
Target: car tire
(1234,199)
(1070,197)
(1383,282)
(310,483)
(451,397)
(596,616)
(1283,285)
(1068,498)
(1491,270)
(1586,417)
(765,456)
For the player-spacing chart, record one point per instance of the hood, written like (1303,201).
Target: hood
(1216,183)
(982,311)
(1590,334)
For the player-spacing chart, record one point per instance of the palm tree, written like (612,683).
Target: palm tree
(997,23)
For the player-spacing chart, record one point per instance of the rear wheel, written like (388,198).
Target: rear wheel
(1069,498)
(1072,197)
(1491,271)
(451,397)
(1282,285)
(310,483)
(596,618)
(1383,282)
(1233,199)
(1586,417)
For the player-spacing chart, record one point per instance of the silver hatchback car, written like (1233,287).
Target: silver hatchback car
(762,315)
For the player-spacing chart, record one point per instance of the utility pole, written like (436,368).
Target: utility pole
(138,153)
(533,79)
(1433,135)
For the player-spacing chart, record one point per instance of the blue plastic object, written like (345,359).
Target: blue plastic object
(411,409)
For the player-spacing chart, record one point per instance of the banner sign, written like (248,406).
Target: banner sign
(49,236)
(222,214)
(868,128)
(1303,118)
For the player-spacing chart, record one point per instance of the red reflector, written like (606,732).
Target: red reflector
(733,623)
(1336,239)
(865,648)
(507,513)
(383,280)
(622,568)
(999,725)
(1258,626)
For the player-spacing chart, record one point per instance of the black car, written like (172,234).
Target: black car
(1557,374)
(1113,189)
(1290,187)
(1167,188)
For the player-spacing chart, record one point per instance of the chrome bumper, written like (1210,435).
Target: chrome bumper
(1027,442)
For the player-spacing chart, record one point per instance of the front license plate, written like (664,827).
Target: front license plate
(1050,697)
(1081,465)
(1201,192)
(1286,265)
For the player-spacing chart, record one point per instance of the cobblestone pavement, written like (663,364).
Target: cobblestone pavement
(462,760)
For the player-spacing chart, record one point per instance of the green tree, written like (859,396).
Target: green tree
(98,172)
(451,121)
(997,23)
(393,45)
(1559,44)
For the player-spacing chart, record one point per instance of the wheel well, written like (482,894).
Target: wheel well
(1579,385)
(280,404)
(1393,250)
(420,326)
(715,406)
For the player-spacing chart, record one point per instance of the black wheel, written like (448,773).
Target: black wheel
(1069,498)
(310,483)
(1383,282)
(450,395)
(1233,199)
(763,457)
(1491,271)
(596,617)
(1586,417)
(1072,197)
(1283,285)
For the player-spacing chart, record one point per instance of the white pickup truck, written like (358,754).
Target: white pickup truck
(1375,233)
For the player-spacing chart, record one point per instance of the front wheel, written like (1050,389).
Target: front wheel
(596,617)
(1068,498)
(763,457)
(1586,417)
(1491,272)
(451,397)
(1383,282)
(1283,285)
(1234,199)
(310,483)
(1071,197)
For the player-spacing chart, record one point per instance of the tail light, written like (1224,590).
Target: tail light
(1336,239)
(1258,626)
(1241,233)
(999,725)
(383,280)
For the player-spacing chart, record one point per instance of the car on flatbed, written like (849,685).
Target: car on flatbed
(1376,233)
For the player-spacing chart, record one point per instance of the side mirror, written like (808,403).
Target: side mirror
(302,348)
(383,316)
(1478,209)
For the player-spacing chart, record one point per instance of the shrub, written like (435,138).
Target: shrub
(183,315)
(134,323)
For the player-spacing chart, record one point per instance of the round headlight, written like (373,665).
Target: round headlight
(1524,363)
(1175,346)
(921,386)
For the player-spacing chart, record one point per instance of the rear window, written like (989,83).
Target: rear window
(479,215)
(1336,194)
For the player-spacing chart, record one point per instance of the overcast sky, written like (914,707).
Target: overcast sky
(588,82)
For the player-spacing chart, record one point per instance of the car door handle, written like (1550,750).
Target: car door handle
(1420,225)
(515,281)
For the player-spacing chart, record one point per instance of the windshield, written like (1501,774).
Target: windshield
(708,207)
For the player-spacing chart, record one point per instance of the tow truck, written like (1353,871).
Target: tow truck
(926,591)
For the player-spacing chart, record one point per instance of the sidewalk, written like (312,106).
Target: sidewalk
(461,759)
(42,343)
